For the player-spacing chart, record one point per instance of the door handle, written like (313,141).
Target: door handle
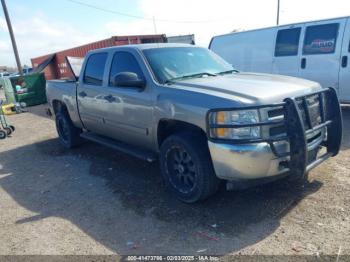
(110,98)
(82,94)
(303,63)
(344,61)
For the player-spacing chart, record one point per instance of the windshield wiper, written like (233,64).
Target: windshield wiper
(171,80)
(228,72)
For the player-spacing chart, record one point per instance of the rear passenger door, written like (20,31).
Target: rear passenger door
(286,53)
(90,93)
(321,52)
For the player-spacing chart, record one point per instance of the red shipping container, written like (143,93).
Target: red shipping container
(57,68)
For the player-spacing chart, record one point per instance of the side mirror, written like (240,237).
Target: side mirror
(128,79)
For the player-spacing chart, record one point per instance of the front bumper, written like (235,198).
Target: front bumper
(249,161)
(294,152)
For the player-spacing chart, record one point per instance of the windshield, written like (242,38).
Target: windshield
(174,63)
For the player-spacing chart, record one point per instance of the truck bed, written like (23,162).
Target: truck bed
(64,90)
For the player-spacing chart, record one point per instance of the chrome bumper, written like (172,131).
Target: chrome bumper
(296,151)
(247,161)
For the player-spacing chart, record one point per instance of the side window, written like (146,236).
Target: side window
(124,62)
(287,42)
(320,39)
(95,68)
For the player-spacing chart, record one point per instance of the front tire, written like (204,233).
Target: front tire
(69,135)
(187,168)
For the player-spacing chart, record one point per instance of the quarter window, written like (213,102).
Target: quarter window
(95,68)
(320,39)
(124,62)
(287,42)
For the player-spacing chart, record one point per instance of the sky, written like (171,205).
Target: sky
(43,27)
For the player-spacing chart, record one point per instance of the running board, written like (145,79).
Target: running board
(120,146)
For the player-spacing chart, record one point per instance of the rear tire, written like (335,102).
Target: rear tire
(69,135)
(2,134)
(187,168)
(8,131)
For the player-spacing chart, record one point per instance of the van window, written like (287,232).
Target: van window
(287,42)
(320,39)
(95,68)
(124,62)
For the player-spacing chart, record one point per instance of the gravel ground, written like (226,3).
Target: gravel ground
(92,200)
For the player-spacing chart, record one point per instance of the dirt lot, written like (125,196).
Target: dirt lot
(92,200)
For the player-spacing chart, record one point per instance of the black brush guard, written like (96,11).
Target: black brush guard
(296,130)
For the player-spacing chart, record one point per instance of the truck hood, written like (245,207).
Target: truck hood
(250,88)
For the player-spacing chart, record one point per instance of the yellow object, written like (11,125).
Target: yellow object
(220,117)
(221,132)
(9,109)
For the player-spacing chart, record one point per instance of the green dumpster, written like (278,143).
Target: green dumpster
(34,86)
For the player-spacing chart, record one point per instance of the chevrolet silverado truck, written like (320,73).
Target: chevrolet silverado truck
(203,120)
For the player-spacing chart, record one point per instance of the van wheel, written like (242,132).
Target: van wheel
(187,168)
(69,135)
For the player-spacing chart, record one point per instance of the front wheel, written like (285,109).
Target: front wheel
(187,167)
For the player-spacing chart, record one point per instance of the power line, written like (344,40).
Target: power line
(141,17)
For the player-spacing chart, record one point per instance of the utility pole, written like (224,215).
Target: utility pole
(278,12)
(13,40)
(155,25)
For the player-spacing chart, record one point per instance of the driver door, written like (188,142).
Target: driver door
(128,117)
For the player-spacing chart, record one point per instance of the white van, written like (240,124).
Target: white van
(315,50)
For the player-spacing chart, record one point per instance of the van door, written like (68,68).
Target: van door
(321,52)
(344,73)
(286,53)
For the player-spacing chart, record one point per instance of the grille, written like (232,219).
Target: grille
(313,104)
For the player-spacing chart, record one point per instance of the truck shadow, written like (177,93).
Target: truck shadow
(121,203)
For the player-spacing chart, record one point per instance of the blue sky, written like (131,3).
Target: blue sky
(43,27)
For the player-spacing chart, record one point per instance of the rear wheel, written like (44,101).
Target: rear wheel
(187,167)
(2,134)
(69,135)
(8,130)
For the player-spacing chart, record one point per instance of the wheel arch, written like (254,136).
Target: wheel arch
(59,106)
(167,127)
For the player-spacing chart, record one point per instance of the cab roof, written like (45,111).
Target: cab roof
(143,47)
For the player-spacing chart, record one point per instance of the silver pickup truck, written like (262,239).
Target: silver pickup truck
(205,121)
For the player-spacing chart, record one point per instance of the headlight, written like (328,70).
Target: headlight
(237,117)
